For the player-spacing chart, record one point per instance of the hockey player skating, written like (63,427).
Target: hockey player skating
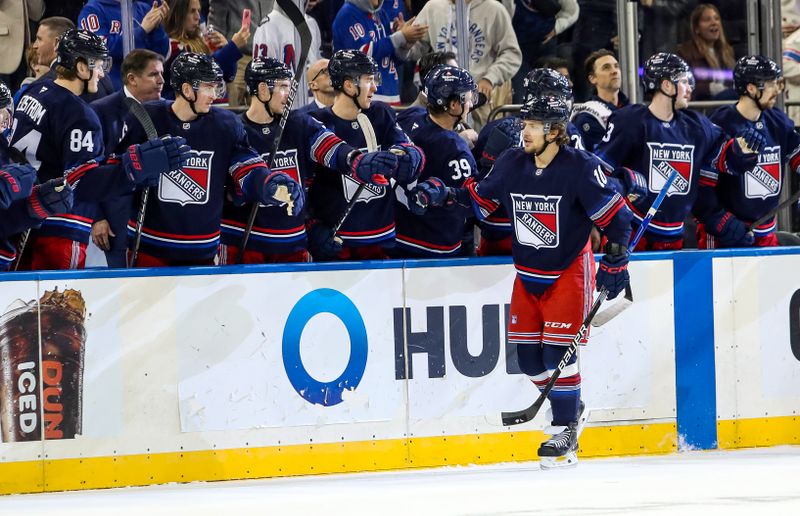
(554,194)
(369,228)
(451,92)
(60,136)
(728,205)
(182,223)
(502,134)
(279,236)
(650,141)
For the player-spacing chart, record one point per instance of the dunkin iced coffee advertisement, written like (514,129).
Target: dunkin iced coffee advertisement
(52,361)
(41,355)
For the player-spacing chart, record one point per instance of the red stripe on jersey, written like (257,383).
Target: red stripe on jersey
(132,223)
(704,181)
(76,174)
(325,145)
(429,244)
(367,233)
(569,380)
(606,219)
(794,162)
(484,203)
(239,173)
(721,165)
(538,271)
(241,225)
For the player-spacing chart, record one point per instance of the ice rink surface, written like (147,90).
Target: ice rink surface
(752,482)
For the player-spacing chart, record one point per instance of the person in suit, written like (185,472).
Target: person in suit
(143,78)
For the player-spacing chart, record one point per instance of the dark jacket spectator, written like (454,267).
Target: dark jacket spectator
(709,55)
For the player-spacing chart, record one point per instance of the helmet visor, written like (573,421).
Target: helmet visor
(368,80)
(215,89)
(100,63)
(686,78)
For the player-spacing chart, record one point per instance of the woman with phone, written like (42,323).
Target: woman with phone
(187,33)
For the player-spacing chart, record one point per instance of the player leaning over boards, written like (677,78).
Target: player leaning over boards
(60,135)
(728,205)
(182,223)
(650,141)
(277,235)
(555,194)
(369,228)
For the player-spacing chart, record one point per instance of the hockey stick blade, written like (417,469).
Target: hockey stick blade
(615,309)
(525,415)
(298,19)
(150,130)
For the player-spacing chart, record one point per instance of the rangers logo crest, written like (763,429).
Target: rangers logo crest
(536,220)
(666,157)
(188,185)
(286,162)
(765,179)
(370,192)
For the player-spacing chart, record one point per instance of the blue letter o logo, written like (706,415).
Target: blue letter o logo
(334,302)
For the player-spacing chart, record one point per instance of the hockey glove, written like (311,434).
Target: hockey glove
(431,192)
(374,167)
(322,243)
(744,151)
(634,183)
(505,135)
(410,162)
(145,162)
(50,198)
(270,185)
(16,182)
(613,272)
(729,230)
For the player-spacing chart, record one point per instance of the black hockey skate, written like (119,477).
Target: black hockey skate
(561,449)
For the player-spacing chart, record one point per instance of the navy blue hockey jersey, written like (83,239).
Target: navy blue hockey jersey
(552,210)
(305,141)
(591,118)
(13,220)
(751,195)
(60,136)
(497,225)
(447,157)
(185,208)
(689,143)
(372,219)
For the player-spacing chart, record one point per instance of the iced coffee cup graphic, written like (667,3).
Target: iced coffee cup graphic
(41,382)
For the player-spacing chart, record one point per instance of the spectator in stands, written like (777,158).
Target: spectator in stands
(43,49)
(709,54)
(537,23)
(791,73)
(591,117)
(104,18)
(15,38)
(54,28)
(143,80)
(494,57)
(596,28)
(186,35)
(319,82)
(277,38)
(222,15)
(362,25)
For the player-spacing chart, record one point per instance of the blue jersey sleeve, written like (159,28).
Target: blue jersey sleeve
(247,169)
(603,204)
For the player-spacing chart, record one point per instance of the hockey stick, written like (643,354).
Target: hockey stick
(150,130)
(372,146)
(614,310)
(774,211)
(525,415)
(296,16)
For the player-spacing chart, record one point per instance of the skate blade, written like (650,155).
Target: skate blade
(570,460)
